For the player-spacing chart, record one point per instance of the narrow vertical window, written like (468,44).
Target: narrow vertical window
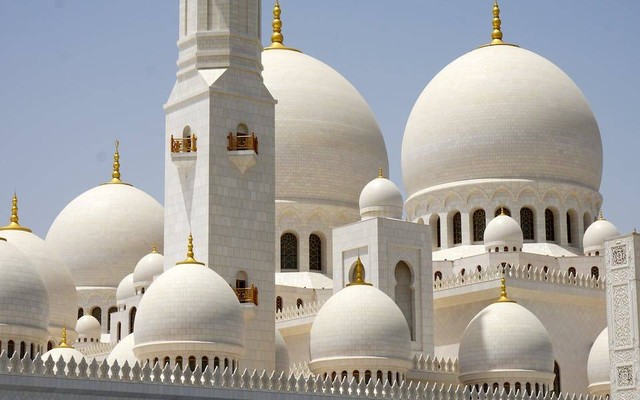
(595,272)
(569,237)
(97,314)
(132,319)
(438,234)
(111,311)
(549,225)
(479,223)
(457,228)
(288,251)
(527,223)
(315,253)
(278,303)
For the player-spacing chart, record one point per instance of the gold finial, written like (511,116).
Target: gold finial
(63,343)
(503,292)
(502,210)
(115,175)
(13,221)
(154,249)
(358,273)
(380,174)
(190,259)
(600,215)
(277,38)
(496,35)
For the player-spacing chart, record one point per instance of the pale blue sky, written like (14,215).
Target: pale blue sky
(77,74)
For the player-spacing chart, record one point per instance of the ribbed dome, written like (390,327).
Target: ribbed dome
(88,327)
(598,366)
(125,289)
(381,198)
(596,234)
(503,231)
(190,303)
(24,302)
(501,112)
(505,339)
(328,143)
(104,232)
(360,327)
(61,290)
(123,352)
(147,268)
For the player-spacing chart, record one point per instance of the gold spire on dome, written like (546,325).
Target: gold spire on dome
(503,293)
(277,38)
(190,255)
(154,249)
(496,35)
(14,224)
(358,275)
(502,210)
(380,174)
(115,175)
(63,343)
(600,215)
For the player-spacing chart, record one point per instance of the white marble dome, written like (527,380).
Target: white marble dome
(24,303)
(61,289)
(328,142)
(104,232)
(123,351)
(189,304)
(88,328)
(360,328)
(125,289)
(598,366)
(148,267)
(282,353)
(67,353)
(505,339)
(503,231)
(501,112)
(381,198)
(596,234)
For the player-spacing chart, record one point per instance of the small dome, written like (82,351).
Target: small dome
(598,366)
(88,327)
(104,232)
(321,115)
(123,351)
(210,314)
(24,302)
(67,353)
(381,198)
(360,328)
(505,339)
(148,268)
(282,353)
(596,234)
(125,289)
(503,231)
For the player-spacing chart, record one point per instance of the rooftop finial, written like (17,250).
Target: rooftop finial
(277,39)
(503,292)
(115,175)
(63,343)
(496,36)
(502,210)
(380,174)
(600,215)
(358,274)
(154,249)
(190,256)
(13,221)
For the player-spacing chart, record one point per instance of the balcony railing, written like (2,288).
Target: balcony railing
(242,142)
(247,295)
(184,145)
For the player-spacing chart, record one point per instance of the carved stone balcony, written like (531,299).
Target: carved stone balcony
(247,295)
(242,150)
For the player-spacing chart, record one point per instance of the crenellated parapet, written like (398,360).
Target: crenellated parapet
(291,313)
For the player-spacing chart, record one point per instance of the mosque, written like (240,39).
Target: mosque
(282,247)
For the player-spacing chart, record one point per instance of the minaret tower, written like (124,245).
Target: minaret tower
(219,184)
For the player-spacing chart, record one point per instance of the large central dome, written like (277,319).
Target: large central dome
(501,112)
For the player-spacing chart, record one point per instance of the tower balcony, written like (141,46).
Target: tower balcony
(242,150)
(184,145)
(247,295)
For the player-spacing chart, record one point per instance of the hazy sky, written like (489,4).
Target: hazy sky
(77,74)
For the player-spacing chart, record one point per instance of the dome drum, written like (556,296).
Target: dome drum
(509,376)
(360,364)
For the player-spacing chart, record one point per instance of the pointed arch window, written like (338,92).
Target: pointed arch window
(595,272)
(527,223)
(315,253)
(569,237)
(288,251)
(479,224)
(278,303)
(457,228)
(438,234)
(97,314)
(586,220)
(132,319)
(549,225)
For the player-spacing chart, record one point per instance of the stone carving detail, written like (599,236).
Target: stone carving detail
(621,317)
(623,356)
(619,276)
(625,376)
(619,255)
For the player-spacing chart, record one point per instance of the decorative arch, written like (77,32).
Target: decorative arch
(96,312)
(315,252)
(404,294)
(288,251)
(479,224)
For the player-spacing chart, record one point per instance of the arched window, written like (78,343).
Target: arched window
(97,314)
(485,388)
(404,294)
(23,350)
(437,276)
(111,311)
(462,271)
(595,272)
(11,348)
(242,130)
(438,234)
(549,225)
(288,251)
(501,210)
(389,377)
(80,312)
(527,223)
(479,223)
(132,319)
(479,268)
(518,388)
(50,344)
(226,363)
(367,377)
(379,376)
(216,362)
(356,376)
(315,253)
(586,219)
(495,387)
(205,363)
(119,329)
(507,387)
(556,380)
(457,228)
(299,303)
(179,361)
(572,271)
(569,236)
(192,363)
(31,353)
(241,280)
(528,388)
(278,303)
